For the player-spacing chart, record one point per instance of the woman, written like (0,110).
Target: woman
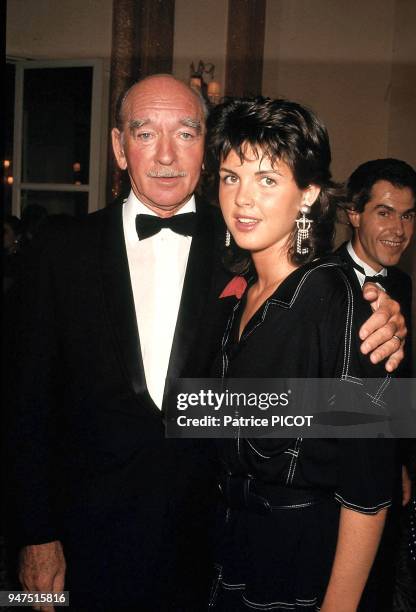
(303,518)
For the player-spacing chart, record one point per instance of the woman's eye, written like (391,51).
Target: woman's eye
(267,181)
(229,179)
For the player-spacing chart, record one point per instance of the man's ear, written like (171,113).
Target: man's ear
(354,217)
(118,149)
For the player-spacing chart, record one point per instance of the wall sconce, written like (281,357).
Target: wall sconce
(76,169)
(211,91)
(7,169)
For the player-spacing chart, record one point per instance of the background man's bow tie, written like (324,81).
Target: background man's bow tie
(149,225)
(384,281)
(377,278)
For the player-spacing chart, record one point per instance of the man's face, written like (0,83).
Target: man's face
(384,229)
(162,143)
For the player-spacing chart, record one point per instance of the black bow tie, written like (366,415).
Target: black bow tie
(378,278)
(149,225)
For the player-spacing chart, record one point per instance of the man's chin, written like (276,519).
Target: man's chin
(164,205)
(391,260)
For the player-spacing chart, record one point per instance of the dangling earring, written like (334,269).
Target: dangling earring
(304,225)
(227,238)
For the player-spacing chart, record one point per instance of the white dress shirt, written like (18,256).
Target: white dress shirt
(157,270)
(369,271)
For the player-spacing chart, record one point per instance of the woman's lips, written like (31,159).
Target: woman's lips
(246,224)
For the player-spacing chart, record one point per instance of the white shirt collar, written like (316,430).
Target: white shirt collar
(132,207)
(369,271)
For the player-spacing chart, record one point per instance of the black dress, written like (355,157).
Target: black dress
(279,556)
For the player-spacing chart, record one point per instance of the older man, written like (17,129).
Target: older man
(120,307)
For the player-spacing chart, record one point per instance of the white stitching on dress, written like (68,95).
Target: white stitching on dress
(290,465)
(256,451)
(225,340)
(301,282)
(380,403)
(382,388)
(290,451)
(274,605)
(353,379)
(363,509)
(376,399)
(232,587)
(280,605)
(215,586)
(346,376)
(293,461)
(294,506)
(348,327)
(298,443)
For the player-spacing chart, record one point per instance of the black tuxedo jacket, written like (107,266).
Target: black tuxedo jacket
(378,593)
(399,288)
(92,466)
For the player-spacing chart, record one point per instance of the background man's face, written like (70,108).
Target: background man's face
(384,229)
(162,143)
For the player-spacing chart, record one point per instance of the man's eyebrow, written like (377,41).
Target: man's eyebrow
(192,123)
(393,209)
(137,123)
(387,206)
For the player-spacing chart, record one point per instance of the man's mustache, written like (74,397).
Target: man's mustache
(166,173)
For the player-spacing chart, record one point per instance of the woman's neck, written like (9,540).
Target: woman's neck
(272,267)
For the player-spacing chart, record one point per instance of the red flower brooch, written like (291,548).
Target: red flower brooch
(235,287)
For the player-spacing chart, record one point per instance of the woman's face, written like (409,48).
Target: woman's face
(260,201)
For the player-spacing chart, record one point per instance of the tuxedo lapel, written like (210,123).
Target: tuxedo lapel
(342,253)
(362,307)
(197,283)
(119,297)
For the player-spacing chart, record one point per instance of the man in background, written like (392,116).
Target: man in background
(381,201)
(381,208)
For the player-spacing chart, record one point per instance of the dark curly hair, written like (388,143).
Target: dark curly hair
(285,130)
